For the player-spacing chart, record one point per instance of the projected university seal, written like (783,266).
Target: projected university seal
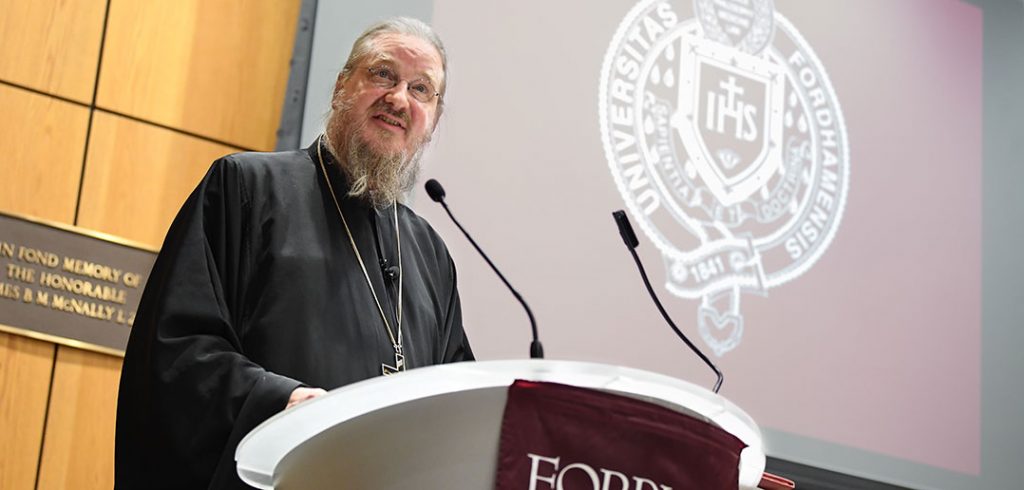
(727,143)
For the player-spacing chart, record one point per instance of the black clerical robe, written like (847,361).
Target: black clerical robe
(256,292)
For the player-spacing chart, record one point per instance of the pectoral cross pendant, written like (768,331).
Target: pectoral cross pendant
(399,366)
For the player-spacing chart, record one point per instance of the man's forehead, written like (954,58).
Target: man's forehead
(410,53)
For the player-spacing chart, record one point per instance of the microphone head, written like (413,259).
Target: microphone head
(625,229)
(434,190)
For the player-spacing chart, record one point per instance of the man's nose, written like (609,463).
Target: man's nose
(398,96)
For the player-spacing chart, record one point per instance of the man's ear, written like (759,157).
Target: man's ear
(338,85)
(437,116)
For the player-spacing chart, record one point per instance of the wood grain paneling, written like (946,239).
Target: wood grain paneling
(25,366)
(138,175)
(215,68)
(51,45)
(41,144)
(78,448)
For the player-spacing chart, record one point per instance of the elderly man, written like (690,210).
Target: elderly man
(286,274)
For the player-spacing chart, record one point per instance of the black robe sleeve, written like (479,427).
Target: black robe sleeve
(456,346)
(188,392)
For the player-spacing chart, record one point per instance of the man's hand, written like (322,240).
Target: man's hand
(302,394)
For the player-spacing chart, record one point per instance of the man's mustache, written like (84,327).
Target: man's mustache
(389,109)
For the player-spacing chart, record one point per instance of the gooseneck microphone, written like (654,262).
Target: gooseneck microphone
(436,192)
(629,237)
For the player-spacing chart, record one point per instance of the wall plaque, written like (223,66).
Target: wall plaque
(69,285)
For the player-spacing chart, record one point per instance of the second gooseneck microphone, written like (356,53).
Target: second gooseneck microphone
(436,192)
(629,237)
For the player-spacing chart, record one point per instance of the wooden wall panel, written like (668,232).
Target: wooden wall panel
(51,45)
(138,175)
(41,144)
(217,68)
(214,68)
(25,366)
(78,449)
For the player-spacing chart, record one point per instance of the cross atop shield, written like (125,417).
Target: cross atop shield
(729,117)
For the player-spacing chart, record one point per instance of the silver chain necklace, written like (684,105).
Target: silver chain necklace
(396,341)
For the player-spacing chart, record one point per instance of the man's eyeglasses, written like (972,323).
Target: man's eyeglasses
(384,77)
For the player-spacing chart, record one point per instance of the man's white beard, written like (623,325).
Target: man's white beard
(377,177)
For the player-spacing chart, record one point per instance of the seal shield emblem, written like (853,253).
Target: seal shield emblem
(728,118)
(727,143)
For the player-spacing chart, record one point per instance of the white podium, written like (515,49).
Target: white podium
(437,427)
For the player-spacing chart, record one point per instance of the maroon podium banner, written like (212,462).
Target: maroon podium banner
(558,437)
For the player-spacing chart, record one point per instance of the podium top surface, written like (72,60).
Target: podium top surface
(265,447)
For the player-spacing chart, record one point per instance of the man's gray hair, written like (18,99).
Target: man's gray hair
(398,25)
